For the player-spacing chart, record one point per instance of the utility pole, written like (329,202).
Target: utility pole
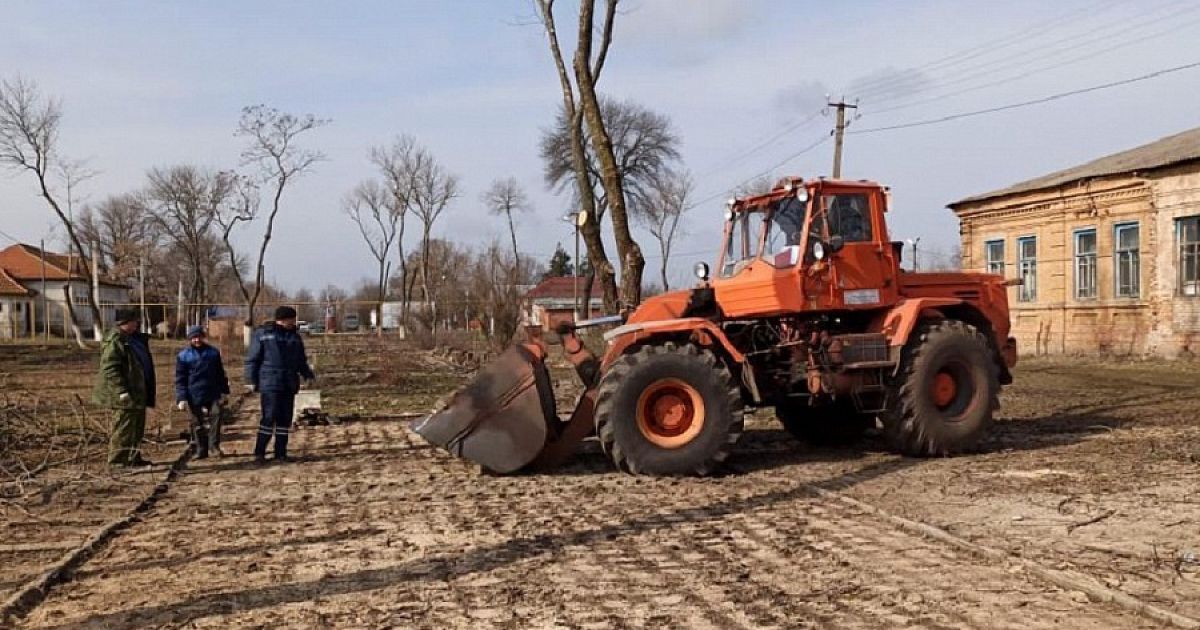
(45,304)
(839,133)
(577,219)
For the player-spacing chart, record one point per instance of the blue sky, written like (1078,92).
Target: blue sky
(147,84)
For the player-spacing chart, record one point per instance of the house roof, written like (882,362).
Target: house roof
(1181,147)
(10,287)
(561,288)
(24,263)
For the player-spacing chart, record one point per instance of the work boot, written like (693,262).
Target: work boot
(201,454)
(259,460)
(138,460)
(284,459)
(216,450)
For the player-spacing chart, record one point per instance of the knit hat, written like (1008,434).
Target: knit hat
(195,331)
(285,312)
(127,315)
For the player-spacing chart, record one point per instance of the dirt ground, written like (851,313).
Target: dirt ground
(1092,472)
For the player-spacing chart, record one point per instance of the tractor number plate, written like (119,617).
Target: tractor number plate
(861,296)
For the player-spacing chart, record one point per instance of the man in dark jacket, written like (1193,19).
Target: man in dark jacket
(274,365)
(200,384)
(125,384)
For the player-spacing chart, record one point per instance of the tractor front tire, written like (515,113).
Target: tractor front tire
(835,424)
(943,397)
(668,409)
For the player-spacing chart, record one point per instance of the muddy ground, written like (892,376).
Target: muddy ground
(1091,472)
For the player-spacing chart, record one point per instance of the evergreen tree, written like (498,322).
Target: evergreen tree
(560,263)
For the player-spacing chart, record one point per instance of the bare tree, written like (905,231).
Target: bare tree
(240,207)
(371,207)
(661,207)
(28,142)
(271,148)
(183,203)
(432,190)
(122,232)
(643,142)
(395,166)
(590,229)
(506,197)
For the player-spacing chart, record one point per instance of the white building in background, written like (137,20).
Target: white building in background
(15,304)
(23,264)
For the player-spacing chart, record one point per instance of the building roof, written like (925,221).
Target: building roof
(10,287)
(561,288)
(1181,147)
(24,263)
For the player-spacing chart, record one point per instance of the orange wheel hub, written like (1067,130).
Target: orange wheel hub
(670,413)
(944,389)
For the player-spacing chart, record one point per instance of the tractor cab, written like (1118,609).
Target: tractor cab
(814,245)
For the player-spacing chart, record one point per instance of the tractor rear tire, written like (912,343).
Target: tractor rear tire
(944,395)
(836,424)
(668,409)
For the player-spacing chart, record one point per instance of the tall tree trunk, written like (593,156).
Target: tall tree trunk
(70,318)
(512,231)
(632,261)
(590,230)
(405,293)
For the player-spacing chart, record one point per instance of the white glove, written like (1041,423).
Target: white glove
(123,397)
(181,405)
(250,389)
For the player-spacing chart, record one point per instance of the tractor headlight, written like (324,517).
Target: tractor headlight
(819,251)
(701,271)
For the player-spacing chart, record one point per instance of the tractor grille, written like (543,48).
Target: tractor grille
(865,350)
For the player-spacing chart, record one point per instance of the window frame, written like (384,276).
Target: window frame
(1027,291)
(1181,281)
(1135,257)
(987,259)
(1084,264)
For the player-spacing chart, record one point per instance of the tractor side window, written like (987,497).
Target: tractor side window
(849,216)
(789,219)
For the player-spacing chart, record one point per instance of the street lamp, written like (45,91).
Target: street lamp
(913,242)
(577,219)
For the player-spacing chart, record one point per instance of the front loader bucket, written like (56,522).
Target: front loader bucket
(501,420)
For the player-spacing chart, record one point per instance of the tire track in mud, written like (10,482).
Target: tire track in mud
(382,529)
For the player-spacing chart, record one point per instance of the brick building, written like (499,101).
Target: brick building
(553,301)
(1108,251)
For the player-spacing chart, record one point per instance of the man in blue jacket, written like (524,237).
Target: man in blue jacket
(200,384)
(274,365)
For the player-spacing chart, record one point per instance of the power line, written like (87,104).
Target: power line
(885,84)
(1026,72)
(1037,101)
(822,140)
(742,155)
(10,237)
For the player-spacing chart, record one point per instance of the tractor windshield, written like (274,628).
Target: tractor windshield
(778,225)
(742,246)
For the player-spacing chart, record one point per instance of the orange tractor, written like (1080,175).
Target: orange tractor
(809,312)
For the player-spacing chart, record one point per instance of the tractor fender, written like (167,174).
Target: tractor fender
(702,331)
(898,323)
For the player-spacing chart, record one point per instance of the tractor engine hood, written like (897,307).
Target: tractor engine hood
(674,305)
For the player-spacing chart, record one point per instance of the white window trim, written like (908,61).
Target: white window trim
(1137,276)
(1027,292)
(987,261)
(1076,258)
(1180,282)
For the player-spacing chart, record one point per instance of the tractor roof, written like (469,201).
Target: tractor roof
(785,186)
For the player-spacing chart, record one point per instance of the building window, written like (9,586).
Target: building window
(1027,268)
(1187,232)
(1127,260)
(1085,264)
(993,255)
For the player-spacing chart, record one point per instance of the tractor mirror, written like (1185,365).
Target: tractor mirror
(701,271)
(836,243)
